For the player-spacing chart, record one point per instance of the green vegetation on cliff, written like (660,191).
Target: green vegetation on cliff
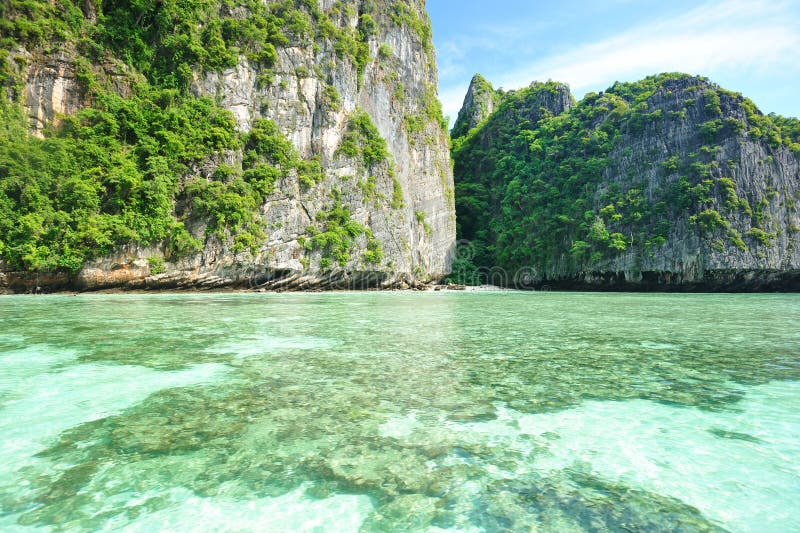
(146,161)
(106,176)
(169,42)
(565,191)
(336,238)
(114,174)
(482,94)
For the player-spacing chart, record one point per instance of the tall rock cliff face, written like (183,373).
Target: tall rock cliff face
(480,102)
(361,197)
(671,183)
(481,189)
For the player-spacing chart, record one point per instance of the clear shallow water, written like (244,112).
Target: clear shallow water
(400,411)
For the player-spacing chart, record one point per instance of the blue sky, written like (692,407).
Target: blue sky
(749,46)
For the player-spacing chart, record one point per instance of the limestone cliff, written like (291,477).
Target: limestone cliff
(478,202)
(671,183)
(479,102)
(341,75)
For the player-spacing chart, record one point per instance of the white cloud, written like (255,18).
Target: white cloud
(732,34)
(748,36)
(682,51)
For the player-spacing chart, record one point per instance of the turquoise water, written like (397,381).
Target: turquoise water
(495,411)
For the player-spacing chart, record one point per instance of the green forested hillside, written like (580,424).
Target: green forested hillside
(115,172)
(615,174)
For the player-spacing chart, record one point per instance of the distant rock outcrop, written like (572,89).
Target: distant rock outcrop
(671,183)
(480,102)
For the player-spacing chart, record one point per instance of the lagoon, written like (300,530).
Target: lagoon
(400,411)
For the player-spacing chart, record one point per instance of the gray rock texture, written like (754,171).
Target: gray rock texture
(763,175)
(408,205)
(739,229)
(480,101)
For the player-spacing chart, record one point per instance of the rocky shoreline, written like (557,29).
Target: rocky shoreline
(124,280)
(239,281)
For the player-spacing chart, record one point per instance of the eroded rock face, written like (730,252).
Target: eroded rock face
(767,178)
(52,89)
(52,86)
(406,202)
(692,258)
(480,101)
(718,201)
